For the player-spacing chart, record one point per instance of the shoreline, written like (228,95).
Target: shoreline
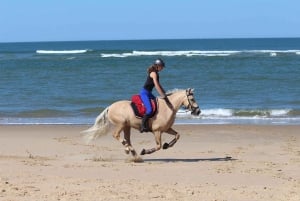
(209,162)
(178,121)
(207,117)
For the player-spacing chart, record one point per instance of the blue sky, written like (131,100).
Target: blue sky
(65,20)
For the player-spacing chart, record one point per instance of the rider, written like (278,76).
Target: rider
(146,93)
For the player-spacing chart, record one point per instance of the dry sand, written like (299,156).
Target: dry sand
(51,162)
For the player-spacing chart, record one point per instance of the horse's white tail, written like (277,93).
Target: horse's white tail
(100,127)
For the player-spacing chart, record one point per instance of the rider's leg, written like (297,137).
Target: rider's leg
(145,124)
(146,100)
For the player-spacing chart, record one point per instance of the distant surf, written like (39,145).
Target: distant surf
(61,51)
(189,53)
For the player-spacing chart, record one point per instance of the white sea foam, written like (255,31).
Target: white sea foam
(61,51)
(271,51)
(282,112)
(183,113)
(207,53)
(171,53)
(237,114)
(217,112)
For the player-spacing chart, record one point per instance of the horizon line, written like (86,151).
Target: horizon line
(149,39)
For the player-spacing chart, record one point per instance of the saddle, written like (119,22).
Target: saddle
(139,108)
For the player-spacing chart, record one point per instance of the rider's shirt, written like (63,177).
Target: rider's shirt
(149,84)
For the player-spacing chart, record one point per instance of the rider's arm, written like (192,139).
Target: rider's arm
(157,85)
(160,90)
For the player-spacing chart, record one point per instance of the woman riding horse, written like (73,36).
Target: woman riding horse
(146,93)
(122,116)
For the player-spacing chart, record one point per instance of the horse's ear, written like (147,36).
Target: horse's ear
(190,90)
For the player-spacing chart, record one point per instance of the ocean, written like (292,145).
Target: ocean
(236,81)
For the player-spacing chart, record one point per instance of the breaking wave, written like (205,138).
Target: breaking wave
(239,113)
(189,53)
(61,51)
(231,116)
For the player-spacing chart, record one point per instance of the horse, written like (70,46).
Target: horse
(122,116)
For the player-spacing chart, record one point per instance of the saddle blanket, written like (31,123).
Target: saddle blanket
(139,108)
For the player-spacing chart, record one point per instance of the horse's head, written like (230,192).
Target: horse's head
(190,102)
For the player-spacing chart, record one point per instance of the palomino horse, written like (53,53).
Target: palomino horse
(121,115)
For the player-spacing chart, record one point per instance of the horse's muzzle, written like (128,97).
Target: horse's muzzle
(196,112)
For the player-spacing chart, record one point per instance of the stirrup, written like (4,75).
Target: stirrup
(145,130)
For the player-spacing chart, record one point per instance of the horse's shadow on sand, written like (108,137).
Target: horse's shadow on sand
(190,160)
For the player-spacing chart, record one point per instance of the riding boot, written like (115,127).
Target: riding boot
(145,124)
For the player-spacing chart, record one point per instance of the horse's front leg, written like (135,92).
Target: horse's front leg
(157,135)
(171,131)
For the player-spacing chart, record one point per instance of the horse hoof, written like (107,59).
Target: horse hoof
(138,160)
(166,146)
(143,152)
(135,160)
(127,151)
(133,153)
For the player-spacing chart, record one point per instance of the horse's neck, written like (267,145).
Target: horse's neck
(177,99)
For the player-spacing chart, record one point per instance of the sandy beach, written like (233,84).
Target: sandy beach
(209,162)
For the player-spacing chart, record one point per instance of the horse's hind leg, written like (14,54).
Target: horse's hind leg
(125,142)
(117,136)
(128,145)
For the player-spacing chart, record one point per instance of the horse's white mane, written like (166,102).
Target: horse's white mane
(169,92)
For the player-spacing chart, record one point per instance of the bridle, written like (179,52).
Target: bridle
(192,102)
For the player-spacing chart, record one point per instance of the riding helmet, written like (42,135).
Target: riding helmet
(160,62)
